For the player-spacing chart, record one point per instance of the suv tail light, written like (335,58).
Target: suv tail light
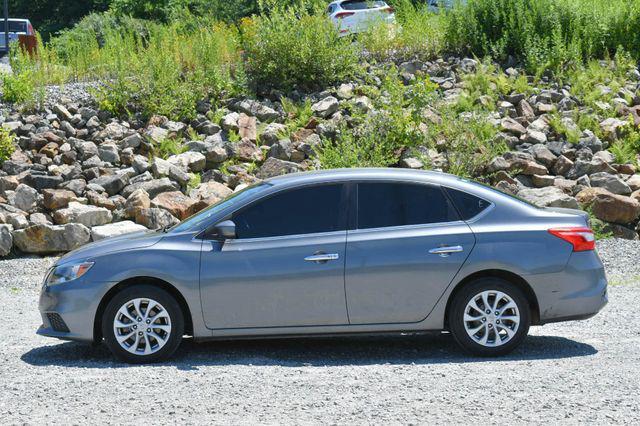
(341,15)
(30,29)
(388,9)
(581,238)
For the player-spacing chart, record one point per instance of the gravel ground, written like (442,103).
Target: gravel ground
(585,371)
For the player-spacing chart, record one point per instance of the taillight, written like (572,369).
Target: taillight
(341,15)
(581,238)
(388,9)
(30,29)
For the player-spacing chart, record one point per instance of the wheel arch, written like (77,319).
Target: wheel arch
(515,279)
(156,282)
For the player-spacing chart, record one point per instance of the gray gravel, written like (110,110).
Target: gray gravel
(585,371)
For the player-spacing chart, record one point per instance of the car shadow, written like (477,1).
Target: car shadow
(334,351)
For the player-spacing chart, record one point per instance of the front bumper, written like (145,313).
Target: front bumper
(73,306)
(578,292)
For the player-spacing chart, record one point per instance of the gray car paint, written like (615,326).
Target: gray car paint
(230,293)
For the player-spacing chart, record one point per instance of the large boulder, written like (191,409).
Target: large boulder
(610,182)
(275,167)
(615,208)
(25,198)
(55,199)
(550,196)
(114,229)
(176,203)
(209,193)
(80,213)
(155,218)
(326,107)
(43,239)
(137,201)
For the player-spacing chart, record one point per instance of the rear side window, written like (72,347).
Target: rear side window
(397,204)
(468,205)
(14,26)
(361,5)
(298,211)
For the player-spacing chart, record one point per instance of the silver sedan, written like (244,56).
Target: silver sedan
(332,252)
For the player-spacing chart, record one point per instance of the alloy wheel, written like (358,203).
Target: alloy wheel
(491,318)
(142,326)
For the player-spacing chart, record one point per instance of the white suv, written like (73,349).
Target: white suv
(355,16)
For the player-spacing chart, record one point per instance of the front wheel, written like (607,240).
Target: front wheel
(143,324)
(489,317)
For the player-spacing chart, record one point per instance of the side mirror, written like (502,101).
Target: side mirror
(225,230)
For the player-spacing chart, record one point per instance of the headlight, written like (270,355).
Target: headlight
(68,272)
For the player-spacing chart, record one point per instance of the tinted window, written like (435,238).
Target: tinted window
(360,5)
(299,211)
(394,204)
(15,26)
(468,205)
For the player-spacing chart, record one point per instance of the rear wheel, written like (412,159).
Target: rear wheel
(143,324)
(489,317)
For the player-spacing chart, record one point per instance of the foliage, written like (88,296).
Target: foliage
(194,181)
(168,146)
(7,144)
(298,114)
(18,88)
(292,48)
(545,34)
(418,34)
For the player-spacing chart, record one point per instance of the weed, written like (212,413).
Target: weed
(7,144)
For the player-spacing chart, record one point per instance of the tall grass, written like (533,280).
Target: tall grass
(545,34)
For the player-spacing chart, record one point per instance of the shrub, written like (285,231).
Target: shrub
(7,145)
(545,34)
(290,48)
(18,88)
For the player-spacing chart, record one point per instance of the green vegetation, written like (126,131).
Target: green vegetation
(7,144)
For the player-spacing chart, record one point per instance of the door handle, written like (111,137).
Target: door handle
(446,250)
(322,257)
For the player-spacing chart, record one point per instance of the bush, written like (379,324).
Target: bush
(288,49)
(7,145)
(545,34)
(18,88)
(418,34)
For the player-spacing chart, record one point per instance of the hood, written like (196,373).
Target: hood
(131,241)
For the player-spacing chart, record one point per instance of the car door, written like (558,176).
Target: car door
(406,249)
(285,268)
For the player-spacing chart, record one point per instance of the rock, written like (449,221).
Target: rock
(611,128)
(245,150)
(247,127)
(587,195)
(281,150)
(154,218)
(84,214)
(525,110)
(114,229)
(113,130)
(411,163)
(512,126)
(272,133)
(274,167)
(189,161)
(44,239)
(109,152)
(133,141)
(113,184)
(137,201)
(345,91)
(540,181)
(6,239)
(55,199)
(257,109)
(230,121)
(162,167)
(87,150)
(41,182)
(156,134)
(62,112)
(610,182)
(39,219)
(18,221)
(176,203)
(210,193)
(25,198)
(534,137)
(363,104)
(152,187)
(562,165)
(615,208)
(634,182)
(524,164)
(326,107)
(543,155)
(550,196)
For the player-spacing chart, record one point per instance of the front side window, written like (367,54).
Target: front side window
(305,210)
(385,204)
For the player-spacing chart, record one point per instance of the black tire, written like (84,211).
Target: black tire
(457,311)
(170,305)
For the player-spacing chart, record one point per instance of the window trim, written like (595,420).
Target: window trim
(343,209)
(402,227)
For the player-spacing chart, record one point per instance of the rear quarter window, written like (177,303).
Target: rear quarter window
(468,205)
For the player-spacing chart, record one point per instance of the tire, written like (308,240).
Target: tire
(504,332)
(132,337)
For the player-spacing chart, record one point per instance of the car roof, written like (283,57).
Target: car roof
(363,173)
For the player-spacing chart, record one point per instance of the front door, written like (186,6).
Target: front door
(407,247)
(286,266)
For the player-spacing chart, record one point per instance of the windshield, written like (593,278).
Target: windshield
(199,220)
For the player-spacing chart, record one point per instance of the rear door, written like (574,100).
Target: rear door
(408,245)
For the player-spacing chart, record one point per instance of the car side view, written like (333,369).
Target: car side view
(333,252)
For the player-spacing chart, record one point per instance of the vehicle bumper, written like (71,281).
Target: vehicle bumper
(68,310)
(578,292)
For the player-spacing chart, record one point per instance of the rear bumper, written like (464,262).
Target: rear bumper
(578,292)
